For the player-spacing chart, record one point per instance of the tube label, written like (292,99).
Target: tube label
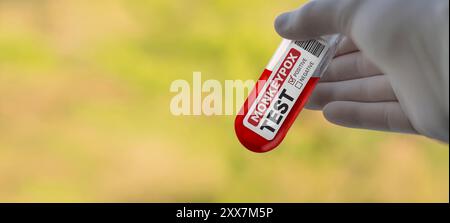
(289,76)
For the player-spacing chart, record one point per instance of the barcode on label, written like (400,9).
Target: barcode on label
(313,46)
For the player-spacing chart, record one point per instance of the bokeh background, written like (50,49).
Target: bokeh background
(84,113)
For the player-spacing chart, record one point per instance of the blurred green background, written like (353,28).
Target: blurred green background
(84,113)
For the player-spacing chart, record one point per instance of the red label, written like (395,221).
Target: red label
(274,86)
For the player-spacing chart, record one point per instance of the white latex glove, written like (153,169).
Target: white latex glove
(395,76)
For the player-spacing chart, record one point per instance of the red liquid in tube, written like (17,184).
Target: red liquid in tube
(282,91)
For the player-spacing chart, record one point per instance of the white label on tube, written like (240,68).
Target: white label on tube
(289,77)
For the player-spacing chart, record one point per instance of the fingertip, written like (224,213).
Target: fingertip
(314,19)
(331,112)
(326,113)
(281,24)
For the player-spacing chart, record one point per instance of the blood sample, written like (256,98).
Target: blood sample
(282,90)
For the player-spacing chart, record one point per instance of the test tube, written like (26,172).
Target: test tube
(282,91)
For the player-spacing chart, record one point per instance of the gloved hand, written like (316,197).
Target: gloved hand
(394,75)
